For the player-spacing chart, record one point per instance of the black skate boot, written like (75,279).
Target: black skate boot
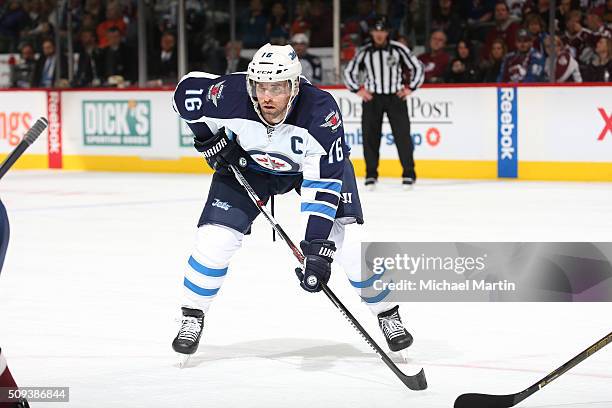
(391,325)
(23,403)
(188,337)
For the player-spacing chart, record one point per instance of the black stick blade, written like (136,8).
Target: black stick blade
(36,130)
(415,382)
(29,138)
(484,401)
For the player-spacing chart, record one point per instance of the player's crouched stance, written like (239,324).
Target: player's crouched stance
(283,134)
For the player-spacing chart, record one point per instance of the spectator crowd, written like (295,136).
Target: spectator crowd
(510,41)
(469,41)
(103,37)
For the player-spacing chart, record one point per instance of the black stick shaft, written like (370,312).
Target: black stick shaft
(29,138)
(510,400)
(260,205)
(604,341)
(416,382)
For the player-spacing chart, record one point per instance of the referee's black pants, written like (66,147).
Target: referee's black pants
(371,124)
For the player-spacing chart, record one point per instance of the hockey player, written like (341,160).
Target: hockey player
(6,379)
(283,134)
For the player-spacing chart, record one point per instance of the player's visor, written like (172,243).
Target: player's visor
(271,88)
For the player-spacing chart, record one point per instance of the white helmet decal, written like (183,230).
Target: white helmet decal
(274,63)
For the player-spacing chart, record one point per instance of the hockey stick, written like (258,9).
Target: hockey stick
(29,138)
(510,400)
(414,382)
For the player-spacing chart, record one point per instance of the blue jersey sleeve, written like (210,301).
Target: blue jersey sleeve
(323,169)
(207,101)
(189,102)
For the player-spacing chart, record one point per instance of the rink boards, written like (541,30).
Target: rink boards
(484,132)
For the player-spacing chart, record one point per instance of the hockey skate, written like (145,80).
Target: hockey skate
(22,403)
(395,333)
(370,184)
(407,183)
(188,338)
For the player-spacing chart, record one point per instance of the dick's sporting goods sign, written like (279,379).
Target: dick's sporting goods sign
(117,123)
(185,134)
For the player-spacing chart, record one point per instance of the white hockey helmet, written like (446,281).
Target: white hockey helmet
(274,63)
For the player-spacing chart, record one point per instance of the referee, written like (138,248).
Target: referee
(384,63)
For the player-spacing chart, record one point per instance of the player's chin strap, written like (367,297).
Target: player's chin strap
(414,382)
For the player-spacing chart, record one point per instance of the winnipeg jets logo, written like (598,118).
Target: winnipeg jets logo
(271,163)
(274,161)
(332,120)
(214,92)
(292,55)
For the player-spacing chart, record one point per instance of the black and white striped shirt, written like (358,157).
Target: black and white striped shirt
(383,68)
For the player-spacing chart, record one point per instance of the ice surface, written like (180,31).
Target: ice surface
(91,286)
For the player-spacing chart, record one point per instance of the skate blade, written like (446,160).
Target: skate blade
(404,356)
(399,356)
(183,359)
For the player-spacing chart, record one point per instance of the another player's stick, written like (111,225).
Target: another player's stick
(510,400)
(414,382)
(29,138)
